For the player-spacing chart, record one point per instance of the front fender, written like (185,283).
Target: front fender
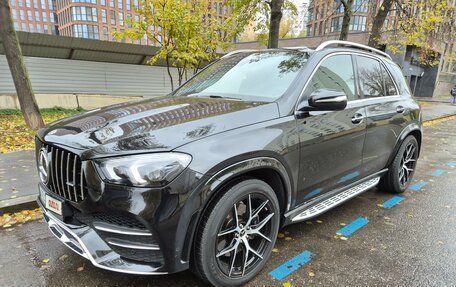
(411,128)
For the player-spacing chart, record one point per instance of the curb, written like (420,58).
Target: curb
(18,204)
(29,201)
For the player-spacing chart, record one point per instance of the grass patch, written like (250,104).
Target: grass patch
(14,133)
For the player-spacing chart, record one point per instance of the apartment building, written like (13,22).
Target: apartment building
(325,17)
(90,19)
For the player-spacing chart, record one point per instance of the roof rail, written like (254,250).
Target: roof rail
(238,51)
(297,48)
(351,44)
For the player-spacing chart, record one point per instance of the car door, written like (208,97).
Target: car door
(331,142)
(385,110)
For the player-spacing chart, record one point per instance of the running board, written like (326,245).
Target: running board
(337,199)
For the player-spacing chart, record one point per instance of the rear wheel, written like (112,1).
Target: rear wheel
(237,234)
(401,170)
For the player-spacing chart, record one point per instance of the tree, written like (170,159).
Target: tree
(425,24)
(268,14)
(348,11)
(377,24)
(185,35)
(18,70)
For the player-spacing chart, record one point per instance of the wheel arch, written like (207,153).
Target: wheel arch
(414,129)
(267,169)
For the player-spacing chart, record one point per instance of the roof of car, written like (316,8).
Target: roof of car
(324,45)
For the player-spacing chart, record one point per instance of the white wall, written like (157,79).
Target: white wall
(58,76)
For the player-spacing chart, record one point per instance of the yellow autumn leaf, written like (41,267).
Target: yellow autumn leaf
(45,260)
(286,284)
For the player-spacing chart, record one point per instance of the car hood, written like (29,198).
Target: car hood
(152,125)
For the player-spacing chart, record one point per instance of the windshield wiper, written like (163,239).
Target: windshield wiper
(213,96)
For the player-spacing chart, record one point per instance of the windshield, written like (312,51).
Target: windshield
(260,76)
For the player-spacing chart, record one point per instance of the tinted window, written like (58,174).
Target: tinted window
(335,73)
(390,89)
(254,76)
(370,77)
(400,79)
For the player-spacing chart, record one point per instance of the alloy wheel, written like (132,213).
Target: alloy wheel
(244,235)
(407,165)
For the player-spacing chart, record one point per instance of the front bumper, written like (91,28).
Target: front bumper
(85,241)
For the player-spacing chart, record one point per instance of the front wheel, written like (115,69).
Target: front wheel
(237,233)
(401,170)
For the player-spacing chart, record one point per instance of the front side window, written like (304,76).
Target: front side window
(336,74)
(261,76)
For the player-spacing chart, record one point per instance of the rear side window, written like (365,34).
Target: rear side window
(335,73)
(400,79)
(374,79)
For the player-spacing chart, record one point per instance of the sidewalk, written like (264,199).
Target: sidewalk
(19,177)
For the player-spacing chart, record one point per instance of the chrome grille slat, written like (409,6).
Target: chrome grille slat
(66,174)
(74,177)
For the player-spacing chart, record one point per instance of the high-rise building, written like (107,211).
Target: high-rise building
(92,19)
(325,17)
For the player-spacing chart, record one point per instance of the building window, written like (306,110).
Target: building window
(16,26)
(215,7)
(113,17)
(121,19)
(37,16)
(31,28)
(14,14)
(52,17)
(105,33)
(21,13)
(112,3)
(85,31)
(128,4)
(136,3)
(358,23)
(120,4)
(84,14)
(20,3)
(84,1)
(27,3)
(103,15)
(23,27)
(29,15)
(13,2)
(43,4)
(50,5)
(35,3)
(336,24)
(310,15)
(220,8)
(129,20)
(103,2)
(360,6)
(39,28)
(338,7)
(44,14)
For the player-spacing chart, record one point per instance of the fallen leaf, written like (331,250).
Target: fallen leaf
(286,232)
(311,274)
(63,257)
(309,222)
(286,284)
(80,269)
(275,250)
(319,221)
(288,238)
(343,224)
(343,238)
(45,260)
(281,235)
(44,267)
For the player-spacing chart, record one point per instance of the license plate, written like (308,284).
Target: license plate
(53,205)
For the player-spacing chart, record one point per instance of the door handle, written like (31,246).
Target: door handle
(400,109)
(357,118)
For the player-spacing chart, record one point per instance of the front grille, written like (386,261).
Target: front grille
(66,175)
(117,219)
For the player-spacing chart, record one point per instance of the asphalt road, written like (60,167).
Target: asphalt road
(411,244)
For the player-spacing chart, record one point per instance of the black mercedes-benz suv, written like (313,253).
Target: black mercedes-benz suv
(204,178)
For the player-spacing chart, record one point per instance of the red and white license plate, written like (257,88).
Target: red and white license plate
(53,205)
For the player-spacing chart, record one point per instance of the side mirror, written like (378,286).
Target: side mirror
(324,100)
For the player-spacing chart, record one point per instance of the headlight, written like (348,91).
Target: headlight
(145,170)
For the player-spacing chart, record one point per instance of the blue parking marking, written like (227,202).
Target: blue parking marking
(349,176)
(313,193)
(452,163)
(438,172)
(418,186)
(392,202)
(292,265)
(352,227)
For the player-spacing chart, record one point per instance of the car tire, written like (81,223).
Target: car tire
(219,232)
(401,170)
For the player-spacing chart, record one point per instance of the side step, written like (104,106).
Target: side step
(337,199)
